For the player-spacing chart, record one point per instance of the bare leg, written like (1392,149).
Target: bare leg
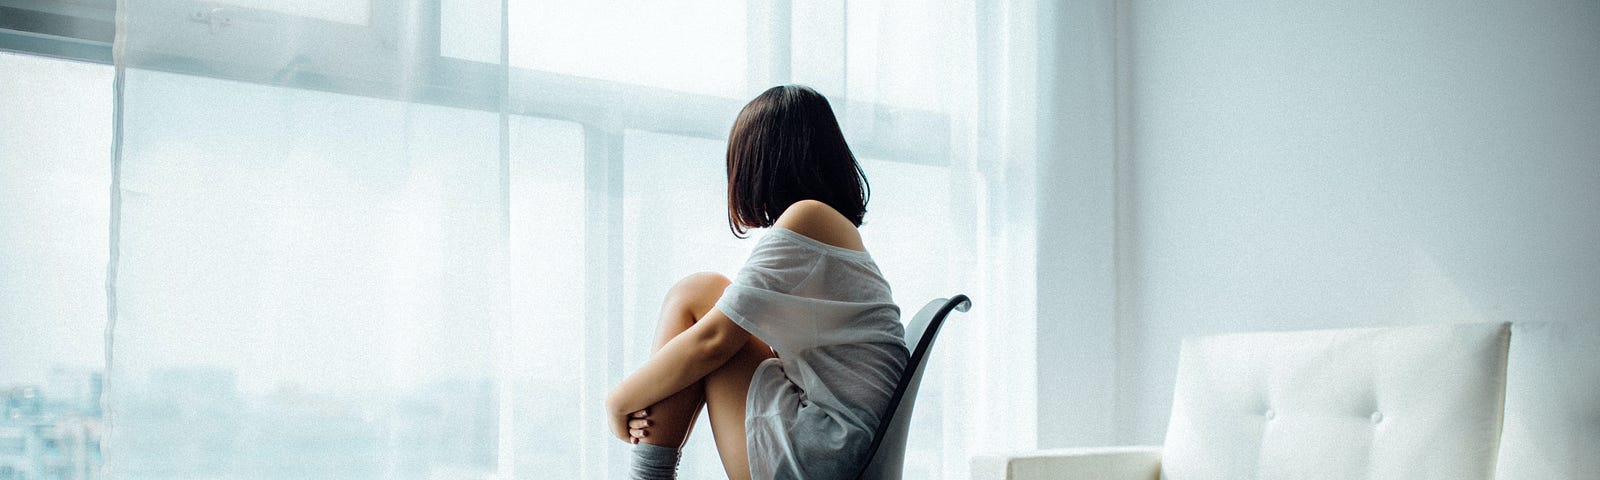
(725,399)
(691,298)
(722,391)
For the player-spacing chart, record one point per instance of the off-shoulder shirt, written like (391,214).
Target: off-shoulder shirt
(828,314)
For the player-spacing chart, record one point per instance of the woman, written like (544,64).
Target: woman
(796,357)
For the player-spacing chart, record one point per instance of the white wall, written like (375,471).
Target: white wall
(1297,165)
(1076,274)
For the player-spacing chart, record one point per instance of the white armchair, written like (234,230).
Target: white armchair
(1490,401)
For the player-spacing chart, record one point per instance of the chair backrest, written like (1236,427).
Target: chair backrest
(1413,402)
(888,448)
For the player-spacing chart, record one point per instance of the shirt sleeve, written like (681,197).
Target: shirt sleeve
(761,298)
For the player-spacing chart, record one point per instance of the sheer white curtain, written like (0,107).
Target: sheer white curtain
(55,118)
(422,238)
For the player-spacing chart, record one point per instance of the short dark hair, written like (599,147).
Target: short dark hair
(786,146)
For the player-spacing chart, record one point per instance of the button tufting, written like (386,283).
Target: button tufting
(1377,417)
(1270,414)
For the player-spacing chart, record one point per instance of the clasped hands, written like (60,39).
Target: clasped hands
(631,427)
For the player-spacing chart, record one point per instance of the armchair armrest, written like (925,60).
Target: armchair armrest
(1111,463)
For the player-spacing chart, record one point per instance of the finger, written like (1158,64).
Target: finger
(634,441)
(640,414)
(638,433)
(638,423)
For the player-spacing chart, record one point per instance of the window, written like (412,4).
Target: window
(55,179)
(310,283)
(353,241)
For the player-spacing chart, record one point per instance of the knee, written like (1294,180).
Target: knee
(698,292)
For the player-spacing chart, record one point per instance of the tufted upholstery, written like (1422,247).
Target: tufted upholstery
(1552,419)
(1504,401)
(1395,403)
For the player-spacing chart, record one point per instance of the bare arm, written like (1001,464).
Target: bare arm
(714,338)
(685,359)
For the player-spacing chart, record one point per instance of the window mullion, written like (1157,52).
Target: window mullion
(603,318)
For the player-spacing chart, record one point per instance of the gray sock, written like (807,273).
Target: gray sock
(654,462)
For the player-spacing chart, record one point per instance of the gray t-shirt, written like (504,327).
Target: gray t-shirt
(828,313)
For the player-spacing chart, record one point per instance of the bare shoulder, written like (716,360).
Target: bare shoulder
(822,223)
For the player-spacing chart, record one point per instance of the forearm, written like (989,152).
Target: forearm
(679,363)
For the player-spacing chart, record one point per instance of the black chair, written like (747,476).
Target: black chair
(888,450)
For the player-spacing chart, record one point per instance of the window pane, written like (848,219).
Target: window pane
(903,53)
(817,45)
(307,286)
(470,30)
(545,334)
(691,46)
(55,177)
